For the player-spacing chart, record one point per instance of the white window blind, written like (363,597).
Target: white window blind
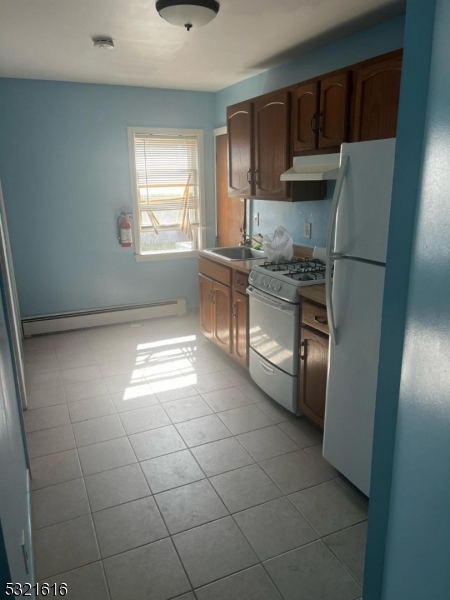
(167,180)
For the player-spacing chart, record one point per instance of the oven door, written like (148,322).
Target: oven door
(274,329)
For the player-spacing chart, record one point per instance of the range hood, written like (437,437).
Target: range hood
(320,167)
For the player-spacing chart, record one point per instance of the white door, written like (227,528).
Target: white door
(364,208)
(353,370)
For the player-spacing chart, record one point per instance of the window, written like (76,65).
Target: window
(168,197)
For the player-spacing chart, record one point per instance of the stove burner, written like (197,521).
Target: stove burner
(306,275)
(295,264)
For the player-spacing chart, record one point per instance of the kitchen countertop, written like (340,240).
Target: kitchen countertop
(246,265)
(239,265)
(316,293)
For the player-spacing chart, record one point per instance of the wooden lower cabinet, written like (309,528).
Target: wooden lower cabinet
(313,375)
(224,308)
(221,301)
(215,312)
(239,314)
(206,306)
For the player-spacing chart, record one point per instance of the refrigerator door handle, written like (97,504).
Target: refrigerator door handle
(330,253)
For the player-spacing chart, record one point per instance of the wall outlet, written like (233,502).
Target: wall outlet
(307,231)
(256,219)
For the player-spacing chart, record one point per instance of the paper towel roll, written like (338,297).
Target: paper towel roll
(320,253)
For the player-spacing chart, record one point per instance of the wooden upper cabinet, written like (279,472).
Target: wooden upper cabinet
(333,116)
(377,97)
(304,116)
(239,129)
(271,145)
(320,117)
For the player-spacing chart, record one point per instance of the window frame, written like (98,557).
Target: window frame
(171,131)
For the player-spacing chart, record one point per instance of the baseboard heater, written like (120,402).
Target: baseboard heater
(102,316)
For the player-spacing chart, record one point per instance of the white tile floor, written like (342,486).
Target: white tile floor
(161,471)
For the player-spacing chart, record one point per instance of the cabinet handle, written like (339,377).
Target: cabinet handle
(313,118)
(211,297)
(233,310)
(320,128)
(302,350)
(249,176)
(239,282)
(256,177)
(321,320)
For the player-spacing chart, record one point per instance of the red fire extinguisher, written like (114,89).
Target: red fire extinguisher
(124,225)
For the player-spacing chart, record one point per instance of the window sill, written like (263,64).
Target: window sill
(176,254)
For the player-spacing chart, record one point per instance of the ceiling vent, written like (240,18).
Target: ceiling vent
(103,43)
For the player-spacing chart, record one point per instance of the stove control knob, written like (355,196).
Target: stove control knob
(277,286)
(252,276)
(272,284)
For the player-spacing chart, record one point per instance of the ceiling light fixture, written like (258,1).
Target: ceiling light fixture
(103,43)
(188,13)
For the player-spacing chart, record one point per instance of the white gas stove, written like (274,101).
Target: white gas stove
(275,324)
(283,278)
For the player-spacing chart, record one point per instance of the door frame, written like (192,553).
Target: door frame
(223,131)
(218,131)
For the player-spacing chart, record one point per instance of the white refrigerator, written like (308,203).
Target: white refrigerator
(357,244)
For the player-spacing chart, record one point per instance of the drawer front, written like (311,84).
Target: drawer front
(315,316)
(280,386)
(215,271)
(240,281)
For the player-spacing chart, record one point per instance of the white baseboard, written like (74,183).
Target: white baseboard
(102,316)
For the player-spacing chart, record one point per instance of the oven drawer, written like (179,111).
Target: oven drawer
(279,385)
(315,316)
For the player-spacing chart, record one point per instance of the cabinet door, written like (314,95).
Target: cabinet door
(313,375)
(377,98)
(206,307)
(222,316)
(239,314)
(333,116)
(272,156)
(304,121)
(239,129)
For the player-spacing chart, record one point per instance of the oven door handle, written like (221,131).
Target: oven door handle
(267,369)
(284,306)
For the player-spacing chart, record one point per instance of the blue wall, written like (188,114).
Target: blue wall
(65,174)
(409,151)
(418,544)
(350,50)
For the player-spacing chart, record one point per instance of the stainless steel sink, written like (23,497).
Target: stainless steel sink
(237,253)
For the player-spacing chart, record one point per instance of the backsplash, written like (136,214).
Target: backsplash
(292,216)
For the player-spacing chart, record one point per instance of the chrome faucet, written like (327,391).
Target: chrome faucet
(246,240)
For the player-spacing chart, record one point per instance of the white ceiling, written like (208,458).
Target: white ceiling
(50,39)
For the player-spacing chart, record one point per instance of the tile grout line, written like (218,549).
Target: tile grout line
(168,531)
(206,477)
